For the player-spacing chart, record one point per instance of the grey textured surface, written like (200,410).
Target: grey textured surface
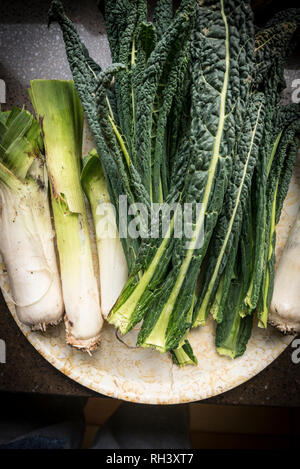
(28,50)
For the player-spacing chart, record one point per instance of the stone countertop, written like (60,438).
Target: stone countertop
(30,50)
(27,371)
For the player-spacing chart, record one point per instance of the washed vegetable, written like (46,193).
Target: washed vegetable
(60,113)
(230,220)
(276,40)
(271,81)
(188,114)
(154,255)
(154,72)
(184,355)
(279,175)
(233,333)
(142,56)
(285,313)
(26,233)
(255,277)
(214,134)
(112,263)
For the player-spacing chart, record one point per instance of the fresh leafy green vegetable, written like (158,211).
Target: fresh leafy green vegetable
(275,41)
(163,15)
(188,115)
(270,60)
(26,235)
(86,78)
(278,180)
(112,263)
(184,355)
(230,220)
(154,255)
(271,138)
(233,333)
(151,77)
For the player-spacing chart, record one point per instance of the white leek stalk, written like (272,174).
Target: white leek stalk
(59,109)
(26,234)
(112,262)
(285,305)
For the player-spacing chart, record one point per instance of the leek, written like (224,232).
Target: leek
(112,261)
(26,235)
(184,355)
(58,107)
